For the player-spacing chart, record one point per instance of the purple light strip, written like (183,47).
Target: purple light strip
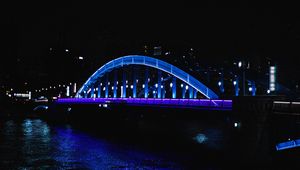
(226,104)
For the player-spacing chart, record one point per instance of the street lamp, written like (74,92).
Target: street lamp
(240,64)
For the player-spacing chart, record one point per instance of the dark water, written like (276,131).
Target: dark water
(34,143)
(208,144)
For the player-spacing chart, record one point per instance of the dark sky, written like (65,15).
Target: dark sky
(100,32)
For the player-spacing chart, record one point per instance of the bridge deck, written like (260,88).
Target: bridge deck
(194,103)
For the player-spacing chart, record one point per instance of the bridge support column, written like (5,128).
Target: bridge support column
(174,87)
(124,84)
(195,94)
(92,92)
(236,87)
(99,90)
(106,86)
(85,94)
(191,92)
(159,84)
(134,83)
(146,83)
(115,84)
(183,88)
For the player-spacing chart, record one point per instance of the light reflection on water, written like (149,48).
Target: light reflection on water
(33,143)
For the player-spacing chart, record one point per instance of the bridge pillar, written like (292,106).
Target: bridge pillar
(191,92)
(124,84)
(134,83)
(183,89)
(92,92)
(106,86)
(146,83)
(99,90)
(159,84)
(236,86)
(195,94)
(85,94)
(174,87)
(115,84)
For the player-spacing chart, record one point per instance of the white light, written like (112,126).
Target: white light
(240,64)
(186,87)
(148,79)
(126,86)
(250,88)
(219,83)
(156,85)
(112,87)
(234,82)
(104,105)
(162,86)
(272,78)
(121,91)
(74,88)
(181,85)
(281,102)
(80,58)
(153,92)
(67,50)
(143,85)
(171,84)
(131,86)
(103,88)
(108,83)
(235,124)
(126,81)
(268,91)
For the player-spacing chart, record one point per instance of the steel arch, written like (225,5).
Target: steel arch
(151,62)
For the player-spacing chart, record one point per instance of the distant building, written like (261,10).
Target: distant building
(157,51)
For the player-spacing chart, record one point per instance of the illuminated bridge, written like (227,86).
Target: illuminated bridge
(142,80)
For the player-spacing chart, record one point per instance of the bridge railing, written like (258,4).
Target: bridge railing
(204,103)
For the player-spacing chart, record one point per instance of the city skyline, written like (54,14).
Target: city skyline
(36,42)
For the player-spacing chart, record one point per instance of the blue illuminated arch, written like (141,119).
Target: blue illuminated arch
(151,62)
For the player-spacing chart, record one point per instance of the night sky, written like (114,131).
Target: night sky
(101,33)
